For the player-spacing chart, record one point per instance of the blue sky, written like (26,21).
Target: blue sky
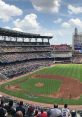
(47,17)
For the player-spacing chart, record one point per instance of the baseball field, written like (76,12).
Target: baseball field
(61,83)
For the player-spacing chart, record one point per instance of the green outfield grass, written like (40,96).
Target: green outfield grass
(50,85)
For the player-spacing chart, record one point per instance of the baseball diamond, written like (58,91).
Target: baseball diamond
(59,83)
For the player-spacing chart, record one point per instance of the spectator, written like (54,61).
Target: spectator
(55,112)
(30,111)
(2,103)
(36,113)
(65,111)
(43,114)
(19,114)
(10,109)
(21,108)
(3,112)
(73,113)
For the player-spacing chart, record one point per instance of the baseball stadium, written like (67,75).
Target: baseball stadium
(39,73)
(40,58)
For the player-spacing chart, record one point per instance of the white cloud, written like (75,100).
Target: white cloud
(76,22)
(7,11)
(46,5)
(72,23)
(58,20)
(74,10)
(65,24)
(28,23)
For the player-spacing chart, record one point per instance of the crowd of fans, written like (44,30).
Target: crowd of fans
(16,69)
(23,49)
(77,59)
(62,47)
(18,58)
(10,108)
(13,57)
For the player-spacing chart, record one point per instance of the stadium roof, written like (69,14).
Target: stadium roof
(13,33)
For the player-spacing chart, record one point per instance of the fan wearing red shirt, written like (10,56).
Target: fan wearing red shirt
(43,114)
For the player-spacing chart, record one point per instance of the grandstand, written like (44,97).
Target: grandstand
(20,57)
(62,53)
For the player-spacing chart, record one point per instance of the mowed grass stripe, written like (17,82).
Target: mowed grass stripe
(68,70)
(49,86)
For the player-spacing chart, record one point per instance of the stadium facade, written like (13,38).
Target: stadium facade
(77,41)
(77,47)
(62,53)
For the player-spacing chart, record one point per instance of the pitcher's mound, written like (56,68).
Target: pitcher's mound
(39,84)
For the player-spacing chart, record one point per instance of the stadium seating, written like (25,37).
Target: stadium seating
(18,58)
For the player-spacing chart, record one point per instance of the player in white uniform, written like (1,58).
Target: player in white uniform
(65,111)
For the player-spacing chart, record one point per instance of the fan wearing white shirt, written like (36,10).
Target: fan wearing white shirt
(65,111)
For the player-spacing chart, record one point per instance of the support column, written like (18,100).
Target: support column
(42,40)
(29,39)
(48,40)
(23,39)
(4,37)
(16,39)
(10,38)
(36,40)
